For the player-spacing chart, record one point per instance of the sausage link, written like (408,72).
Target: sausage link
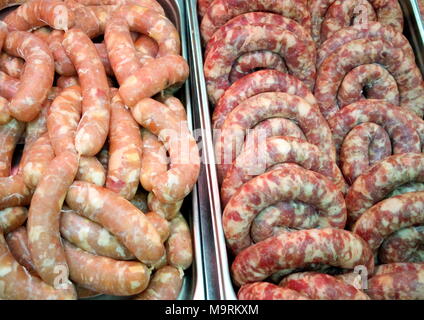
(320,286)
(103,157)
(91,237)
(121,50)
(151,4)
(8,86)
(253,37)
(401,129)
(179,248)
(381,179)
(38,13)
(147,48)
(161,224)
(85,19)
(12,218)
(155,76)
(26,103)
(18,284)
(404,245)
(256,83)
(125,151)
(363,146)
(250,18)
(104,58)
(154,160)
(17,241)
(63,65)
(3,33)
(289,183)
(166,284)
(4,111)
(366,51)
(388,12)
(106,275)
(84,293)
(91,170)
(342,13)
(372,30)
(94,125)
(219,12)
(283,216)
(371,80)
(406,285)
(175,105)
(10,133)
(386,219)
(163,261)
(167,210)
(14,192)
(264,106)
(37,127)
(54,38)
(93,19)
(267,291)
(140,201)
(64,82)
(202,7)
(36,161)
(44,217)
(176,183)
(107,208)
(63,118)
(255,161)
(256,60)
(335,247)
(12,66)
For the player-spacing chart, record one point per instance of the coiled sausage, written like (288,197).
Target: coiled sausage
(119,217)
(289,183)
(336,247)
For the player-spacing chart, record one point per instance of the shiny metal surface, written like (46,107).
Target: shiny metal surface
(217,274)
(214,245)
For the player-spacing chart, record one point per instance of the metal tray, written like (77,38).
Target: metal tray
(193,285)
(215,243)
(217,275)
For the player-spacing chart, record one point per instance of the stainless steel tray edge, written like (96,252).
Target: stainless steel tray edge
(197,287)
(212,240)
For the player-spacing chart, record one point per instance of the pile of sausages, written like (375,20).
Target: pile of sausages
(317,111)
(87,86)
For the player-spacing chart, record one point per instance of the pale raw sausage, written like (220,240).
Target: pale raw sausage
(119,217)
(33,89)
(91,237)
